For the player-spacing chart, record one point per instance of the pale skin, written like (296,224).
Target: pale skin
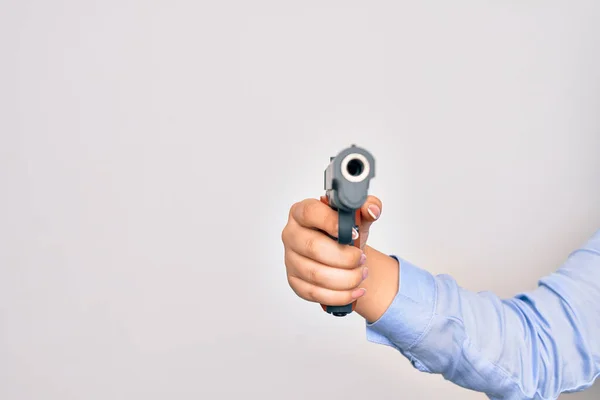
(320,270)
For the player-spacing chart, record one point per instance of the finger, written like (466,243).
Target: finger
(370,211)
(319,247)
(316,294)
(311,213)
(323,275)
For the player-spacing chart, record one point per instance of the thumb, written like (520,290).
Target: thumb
(370,212)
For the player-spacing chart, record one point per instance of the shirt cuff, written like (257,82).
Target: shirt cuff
(407,319)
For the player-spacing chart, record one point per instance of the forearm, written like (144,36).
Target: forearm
(533,346)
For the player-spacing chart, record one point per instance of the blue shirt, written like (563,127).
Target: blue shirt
(535,345)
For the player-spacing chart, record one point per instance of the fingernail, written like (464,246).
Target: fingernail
(354,234)
(374,211)
(363,259)
(365,273)
(358,292)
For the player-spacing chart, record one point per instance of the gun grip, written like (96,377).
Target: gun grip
(345,230)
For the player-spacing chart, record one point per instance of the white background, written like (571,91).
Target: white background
(150,151)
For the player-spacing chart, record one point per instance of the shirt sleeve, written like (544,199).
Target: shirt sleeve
(535,345)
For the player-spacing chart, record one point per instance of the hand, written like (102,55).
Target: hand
(319,269)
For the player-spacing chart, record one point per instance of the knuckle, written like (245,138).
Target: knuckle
(295,209)
(311,247)
(283,234)
(292,209)
(293,212)
(290,280)
(293,282)
(313,275)
(311,294)
(287,260)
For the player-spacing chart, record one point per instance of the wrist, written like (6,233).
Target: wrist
(381,285)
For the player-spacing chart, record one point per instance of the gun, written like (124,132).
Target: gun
(347,179)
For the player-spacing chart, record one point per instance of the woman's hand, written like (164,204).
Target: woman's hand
(319,269)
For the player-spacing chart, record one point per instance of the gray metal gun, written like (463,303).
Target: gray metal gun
(347,179)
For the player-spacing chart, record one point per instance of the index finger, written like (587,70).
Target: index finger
(313,214)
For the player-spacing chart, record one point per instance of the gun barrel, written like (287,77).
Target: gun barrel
(355,167)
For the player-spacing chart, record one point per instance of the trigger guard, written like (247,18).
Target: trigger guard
(346,223)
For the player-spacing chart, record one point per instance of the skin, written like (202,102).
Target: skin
(320,270)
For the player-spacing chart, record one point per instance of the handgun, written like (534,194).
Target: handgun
(347,179)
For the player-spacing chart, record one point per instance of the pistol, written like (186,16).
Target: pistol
(347,179)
